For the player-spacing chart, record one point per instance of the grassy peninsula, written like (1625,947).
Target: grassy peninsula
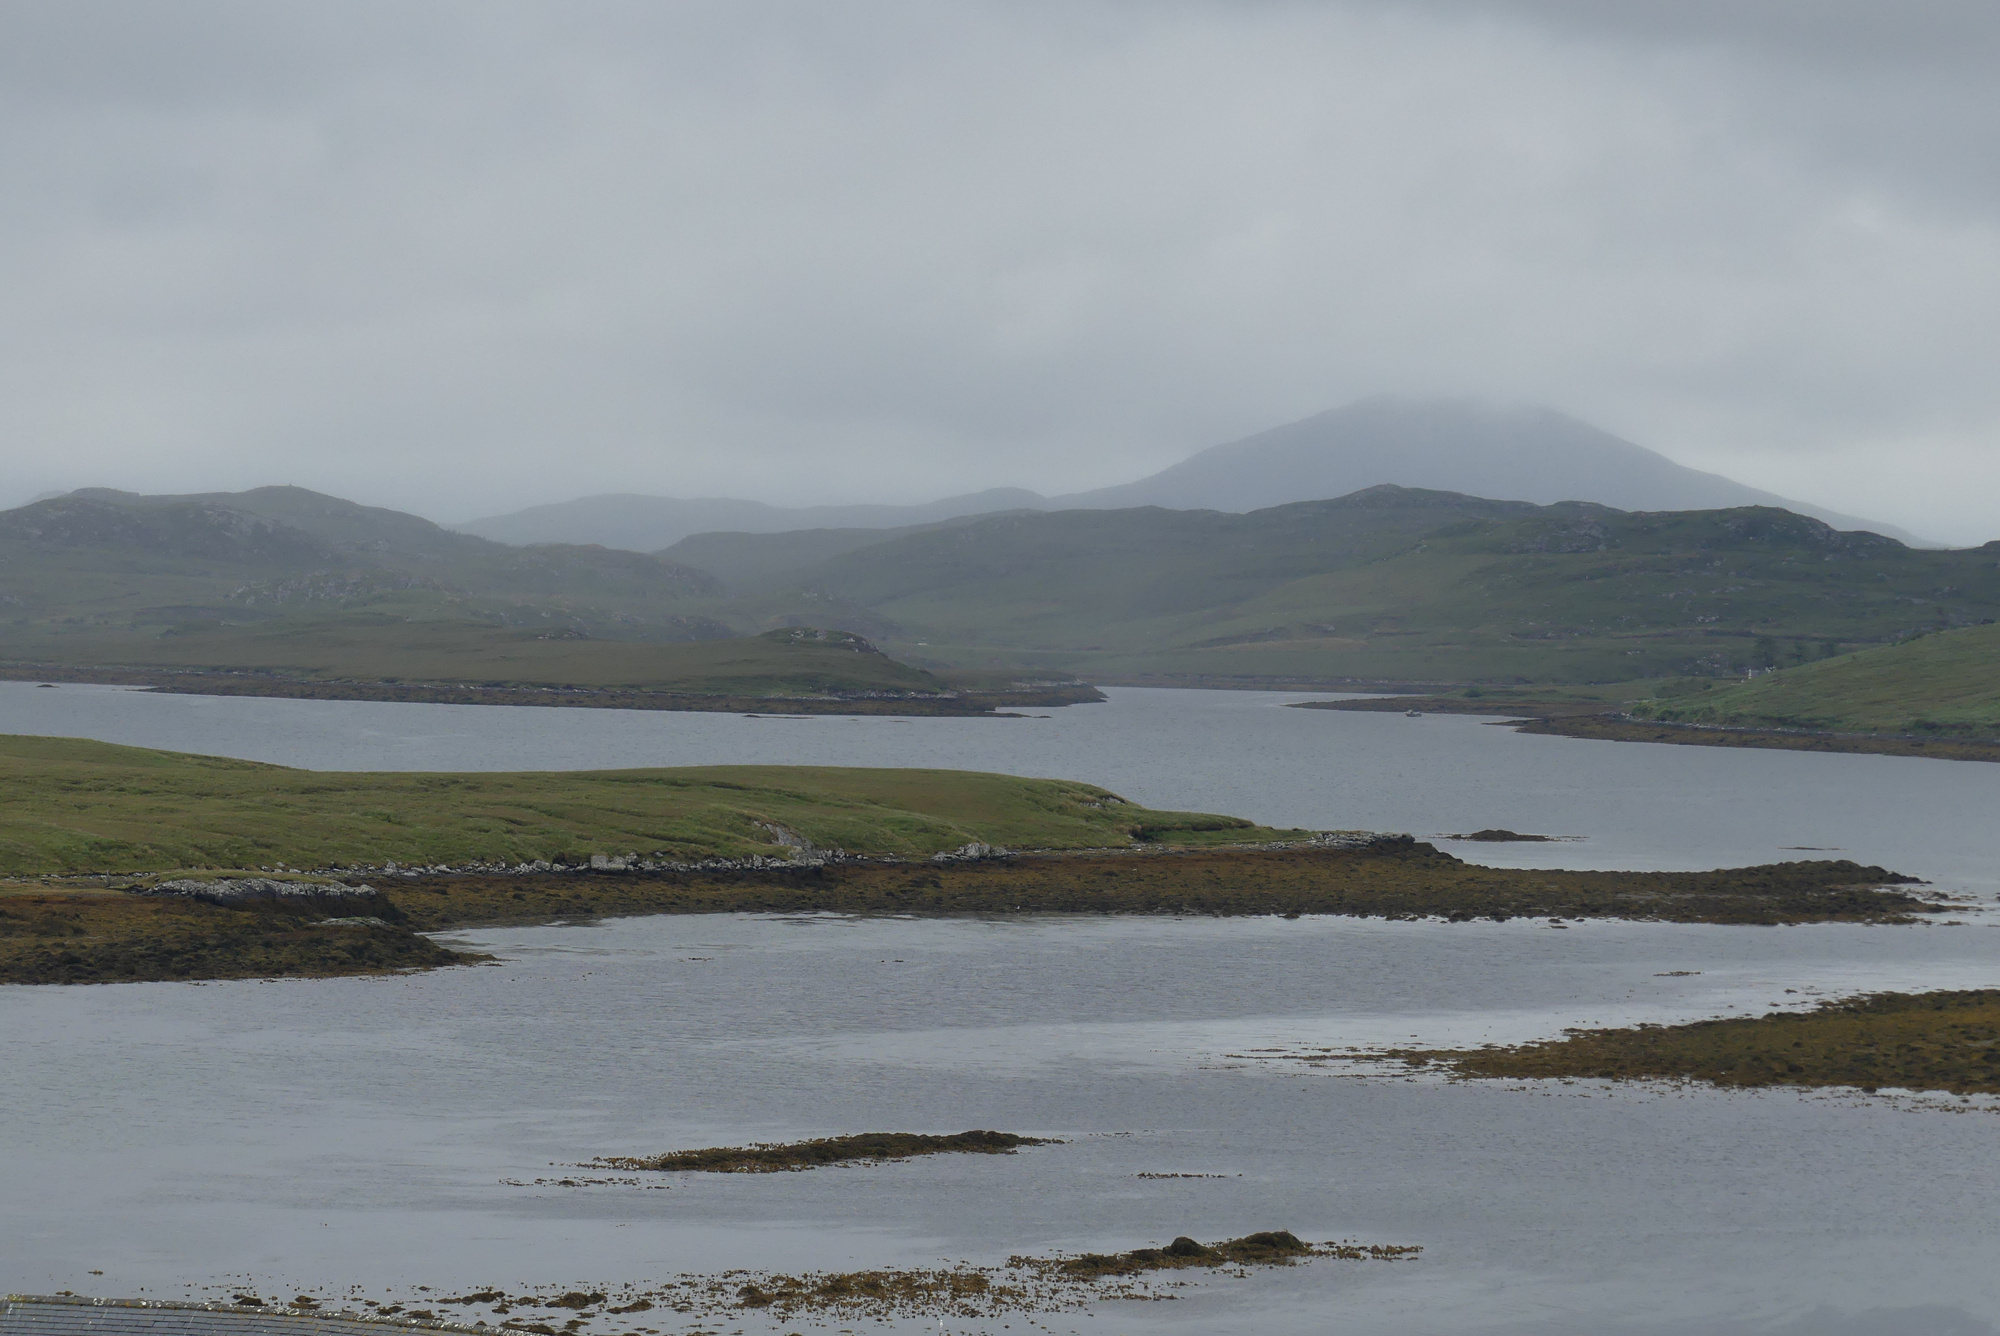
(124,864)
(1914,1041)
(78,807)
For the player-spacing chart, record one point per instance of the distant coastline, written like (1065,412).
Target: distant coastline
(1591,720)
(224,682)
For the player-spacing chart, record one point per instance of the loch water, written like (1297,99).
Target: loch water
(386,1133)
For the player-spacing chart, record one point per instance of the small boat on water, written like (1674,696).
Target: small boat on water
(1413,714)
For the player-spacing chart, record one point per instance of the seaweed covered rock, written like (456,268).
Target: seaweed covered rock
(860,1148)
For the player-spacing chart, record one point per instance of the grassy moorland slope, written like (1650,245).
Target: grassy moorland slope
(1940,685)
(1395,584)
(95,564)
(73,806)
(297,592)
(1389,584)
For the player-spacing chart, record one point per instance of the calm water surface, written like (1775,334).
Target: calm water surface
(357,1132)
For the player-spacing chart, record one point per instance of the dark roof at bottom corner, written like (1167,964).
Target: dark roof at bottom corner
(74,1315)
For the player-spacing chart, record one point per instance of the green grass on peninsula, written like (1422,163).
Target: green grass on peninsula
(1942,684)
(74,806)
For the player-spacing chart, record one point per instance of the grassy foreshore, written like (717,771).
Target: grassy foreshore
(1913,1041)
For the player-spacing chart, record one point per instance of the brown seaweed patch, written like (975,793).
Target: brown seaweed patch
(786,1157)
(1497,835)
(965,1292)
(49,935)
(1044,1284)
(1060,1283)
(577,1299)
(1270,1247)
(86,934)
(1393,878)
(1947,1041)
(580,1183)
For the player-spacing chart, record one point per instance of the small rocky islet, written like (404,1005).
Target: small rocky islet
(821,1152)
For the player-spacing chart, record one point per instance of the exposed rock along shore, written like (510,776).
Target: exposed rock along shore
(244,890)
(293,923)
(800,855)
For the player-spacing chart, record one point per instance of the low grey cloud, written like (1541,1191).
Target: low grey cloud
(461,257)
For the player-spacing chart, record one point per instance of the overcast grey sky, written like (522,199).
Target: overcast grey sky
(463,257)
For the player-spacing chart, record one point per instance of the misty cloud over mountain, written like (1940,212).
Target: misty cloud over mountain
(1513,453)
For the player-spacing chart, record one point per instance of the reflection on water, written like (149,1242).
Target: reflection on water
(358,1131)
(1640,805)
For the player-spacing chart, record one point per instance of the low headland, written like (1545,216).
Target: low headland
(1935,695)
(793,670)
(120,864)
(1570,714)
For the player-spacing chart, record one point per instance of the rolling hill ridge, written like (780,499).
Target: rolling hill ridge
(1391,584)
(1388,584)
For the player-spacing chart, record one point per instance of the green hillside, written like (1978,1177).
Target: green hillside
(1948,684)
(1394,584)
(68,805)
(288,583)
(99,565)
(1389,584)
(752,563)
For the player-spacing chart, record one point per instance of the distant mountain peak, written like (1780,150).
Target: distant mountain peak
(1525,452)
(1505,451)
